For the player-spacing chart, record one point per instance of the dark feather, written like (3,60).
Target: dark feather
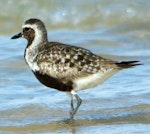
(128,64)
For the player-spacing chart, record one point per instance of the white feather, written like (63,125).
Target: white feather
(92,80)
(32,50)
(38,34)
(30,59)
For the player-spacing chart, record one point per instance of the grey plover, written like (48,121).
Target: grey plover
(64,67)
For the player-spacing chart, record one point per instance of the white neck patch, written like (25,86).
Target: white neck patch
(32,50)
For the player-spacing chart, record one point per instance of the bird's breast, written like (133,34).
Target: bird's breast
(30,58)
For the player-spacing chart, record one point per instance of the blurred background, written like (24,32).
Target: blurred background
(70,14)
(118,30)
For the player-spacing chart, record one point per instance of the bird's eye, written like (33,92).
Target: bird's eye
(26,29)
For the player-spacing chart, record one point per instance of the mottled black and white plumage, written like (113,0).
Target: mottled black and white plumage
(64,67)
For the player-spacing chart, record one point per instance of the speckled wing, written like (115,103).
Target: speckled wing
(61,61)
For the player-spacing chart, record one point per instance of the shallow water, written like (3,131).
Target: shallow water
(117,30)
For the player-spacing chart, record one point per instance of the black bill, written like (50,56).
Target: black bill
(17,36)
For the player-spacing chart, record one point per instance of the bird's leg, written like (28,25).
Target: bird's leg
(71,102)
(79,101)
(72,106)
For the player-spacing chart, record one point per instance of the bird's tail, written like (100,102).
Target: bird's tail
(127,64)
